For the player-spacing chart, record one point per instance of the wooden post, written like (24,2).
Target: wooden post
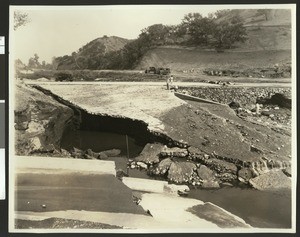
(127,147)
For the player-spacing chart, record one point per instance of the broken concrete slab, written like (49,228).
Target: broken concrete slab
(53,164)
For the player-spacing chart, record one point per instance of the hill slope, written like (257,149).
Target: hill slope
(268,43)
(103,45)
(92,52)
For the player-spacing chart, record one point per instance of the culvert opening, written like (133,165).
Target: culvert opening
(100,133)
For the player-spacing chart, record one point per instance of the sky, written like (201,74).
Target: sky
(57,31)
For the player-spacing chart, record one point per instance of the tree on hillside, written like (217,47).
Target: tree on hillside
(33,62)
(226,33)
(221,13)
(187,20)
(156,34)
(20,19)
(200,30)
(264,12)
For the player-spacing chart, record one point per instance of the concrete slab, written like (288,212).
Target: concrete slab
(51,165)
(145,185)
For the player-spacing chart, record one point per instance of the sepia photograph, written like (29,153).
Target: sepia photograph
(152,119)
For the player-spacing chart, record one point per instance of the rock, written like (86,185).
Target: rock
(181,172)
(35,144)
(142,165)
(176,189)
(86,156)
(287,171)
(150,153)
(221,166)
(234,105)
(102,156)
(173,152)
(266,113)
(65,153)
(77,153)
(210,184)
(21,125)
(92,154)
(205,173)
(227,177)
(280,100)
(112,152)
(121,173)
(226,184)
(244,175)
(271,181)
(196,153)
(163,166)
(22,117)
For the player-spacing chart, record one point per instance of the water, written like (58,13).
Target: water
(263,209)
(100,141)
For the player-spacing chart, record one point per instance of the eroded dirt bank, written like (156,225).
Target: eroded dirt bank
(202,144)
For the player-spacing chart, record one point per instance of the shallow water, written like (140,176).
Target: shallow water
(100,141)
(264,209)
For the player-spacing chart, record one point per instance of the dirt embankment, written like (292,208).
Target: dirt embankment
(39,121)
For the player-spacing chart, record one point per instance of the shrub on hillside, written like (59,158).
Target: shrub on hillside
(63,76)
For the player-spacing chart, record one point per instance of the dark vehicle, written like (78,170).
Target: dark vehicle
(159,71)
(62,76)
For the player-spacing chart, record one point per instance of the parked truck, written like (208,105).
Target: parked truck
(158,70)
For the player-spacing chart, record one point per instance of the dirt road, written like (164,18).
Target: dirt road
(163,83)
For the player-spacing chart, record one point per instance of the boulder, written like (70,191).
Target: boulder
(271,181)
(210,184)
(121,173)
(227,177)
(173,152)
(150,153)
(112,152)
(234,105)
(141,165)
(196,153)
(163,166)
(175,189)
(181,172)
(77,153)
(205,173)
(287,171)
(221,166)
(102,156)
(245,174)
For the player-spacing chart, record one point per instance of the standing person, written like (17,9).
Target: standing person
(171,81)
(168,83)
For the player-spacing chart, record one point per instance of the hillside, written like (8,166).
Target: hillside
(193,60)
(261,17)
(268,43)
(103,45)
(90,53)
